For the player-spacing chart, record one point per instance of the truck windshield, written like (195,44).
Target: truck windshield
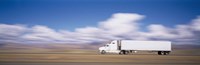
(105,45)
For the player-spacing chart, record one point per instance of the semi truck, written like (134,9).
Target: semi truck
(131,46)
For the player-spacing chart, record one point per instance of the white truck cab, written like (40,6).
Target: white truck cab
(109,48)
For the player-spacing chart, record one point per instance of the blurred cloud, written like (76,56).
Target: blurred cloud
(42,33)
(195,24)
(118,26)
(11,33)
(11,30)
(121,23)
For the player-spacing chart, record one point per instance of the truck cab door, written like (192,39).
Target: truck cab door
(107,48)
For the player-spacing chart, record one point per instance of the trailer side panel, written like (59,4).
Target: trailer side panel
(146,45)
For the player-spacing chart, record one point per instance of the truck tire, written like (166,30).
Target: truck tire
(122,52)
(164,52)
(103,52)
(131,51)
(125,52)
(159,53)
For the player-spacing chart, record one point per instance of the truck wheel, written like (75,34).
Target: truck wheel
(120,52)
(103,52)
(163,53)
(159,53)
(125,52)
(131,51)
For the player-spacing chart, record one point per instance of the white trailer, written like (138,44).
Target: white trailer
(129,46)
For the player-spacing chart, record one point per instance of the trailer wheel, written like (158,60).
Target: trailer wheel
(127,52)
(159,53)
(103,52)
(163,53)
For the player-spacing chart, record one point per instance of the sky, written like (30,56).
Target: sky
(92,21)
